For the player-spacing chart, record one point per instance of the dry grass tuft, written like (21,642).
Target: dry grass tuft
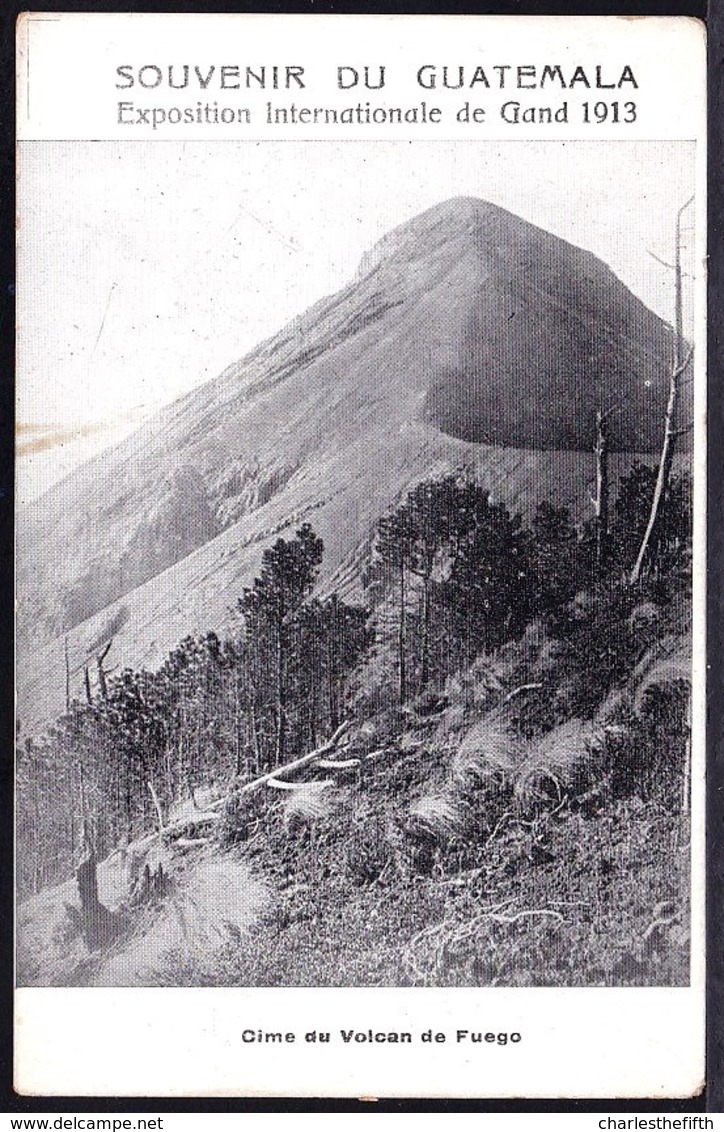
(644,617)
(487,759)
(674,649)
(312,801)
(443,815)
(569,760)
(674,669)
(615,711)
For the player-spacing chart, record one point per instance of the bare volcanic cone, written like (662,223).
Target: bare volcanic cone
(469,339)
(545,333)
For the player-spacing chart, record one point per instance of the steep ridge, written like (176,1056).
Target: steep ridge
(468,339)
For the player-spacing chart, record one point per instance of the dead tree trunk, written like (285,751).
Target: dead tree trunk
(67,674)
(671,430)
(102,683)
(150,885)
(99,925)
(102,679)
(686,776)
(601,502)
(157,805)
(192,792)
(281,712)
(401,638)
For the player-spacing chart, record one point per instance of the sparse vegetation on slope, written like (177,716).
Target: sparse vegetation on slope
(504,799)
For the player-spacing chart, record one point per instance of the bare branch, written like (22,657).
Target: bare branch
(522,688)
(157,804)
(684,364)
(660,260)
(606,413)
(338,764)
(671,266)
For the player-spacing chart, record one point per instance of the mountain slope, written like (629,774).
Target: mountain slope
(468,339)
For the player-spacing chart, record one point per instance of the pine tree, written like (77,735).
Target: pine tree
(488,587)
(288,572)
(557,561)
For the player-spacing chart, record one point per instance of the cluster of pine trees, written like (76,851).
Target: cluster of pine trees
(452,574)
(460,574)
(214,710)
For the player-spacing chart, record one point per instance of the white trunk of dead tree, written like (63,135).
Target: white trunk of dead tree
(288,768)
(686,777)
(665,462)
(671,430)
(601,502)
(278,784)
(157,805)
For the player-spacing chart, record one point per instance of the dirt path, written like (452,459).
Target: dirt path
(215,899)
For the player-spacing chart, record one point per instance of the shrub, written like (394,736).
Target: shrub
(242,816)
(480,685)
(368,850)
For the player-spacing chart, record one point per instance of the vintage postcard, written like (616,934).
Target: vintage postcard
(361,450)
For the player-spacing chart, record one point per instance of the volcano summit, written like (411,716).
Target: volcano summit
(468,339)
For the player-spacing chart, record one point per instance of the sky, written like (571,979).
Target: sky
(146,268)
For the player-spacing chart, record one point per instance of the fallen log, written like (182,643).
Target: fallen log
(338,764)
(297,764)
(183,825)
(288,768)
(272,778)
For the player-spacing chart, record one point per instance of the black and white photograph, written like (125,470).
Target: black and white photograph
(360,557)
(355,541)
